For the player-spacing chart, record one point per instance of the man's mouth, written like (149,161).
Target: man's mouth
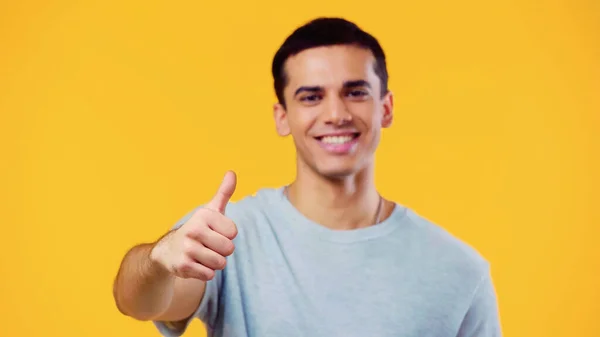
(339,143)
(338,139)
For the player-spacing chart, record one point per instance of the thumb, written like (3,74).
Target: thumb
(224,193)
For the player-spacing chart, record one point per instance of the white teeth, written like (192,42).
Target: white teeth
(336,139)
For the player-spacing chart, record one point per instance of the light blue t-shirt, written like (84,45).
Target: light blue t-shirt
(288,277)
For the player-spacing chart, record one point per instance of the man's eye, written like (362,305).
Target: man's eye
(357,93)
(310,98)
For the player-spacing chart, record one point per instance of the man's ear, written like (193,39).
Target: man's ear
(281,120)
(388,110)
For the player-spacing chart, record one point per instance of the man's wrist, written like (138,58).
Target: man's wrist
(154,264)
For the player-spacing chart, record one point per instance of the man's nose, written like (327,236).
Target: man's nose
(337,112)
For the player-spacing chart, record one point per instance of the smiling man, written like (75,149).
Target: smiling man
(326,255)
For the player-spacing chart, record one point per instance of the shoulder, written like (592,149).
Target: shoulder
(445,250)
(253,212)
(253,205)
(247,208)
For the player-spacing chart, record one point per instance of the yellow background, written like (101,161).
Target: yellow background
(118,117)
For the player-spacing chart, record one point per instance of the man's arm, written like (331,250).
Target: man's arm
(165,281)
(145,290)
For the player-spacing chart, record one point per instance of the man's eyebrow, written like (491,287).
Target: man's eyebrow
(347,84)
(357,83)
(308,89)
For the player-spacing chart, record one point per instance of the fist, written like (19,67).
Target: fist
(200,246)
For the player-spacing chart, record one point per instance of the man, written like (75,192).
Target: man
(326,255)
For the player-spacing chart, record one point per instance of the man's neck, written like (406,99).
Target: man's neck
(349,203)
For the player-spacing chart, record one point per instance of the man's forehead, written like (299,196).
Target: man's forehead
(330,65)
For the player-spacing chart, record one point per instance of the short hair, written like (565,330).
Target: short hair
(326,31)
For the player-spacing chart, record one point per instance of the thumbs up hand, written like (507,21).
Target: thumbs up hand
(200,246)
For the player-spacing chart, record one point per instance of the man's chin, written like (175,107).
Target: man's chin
(337,173)
(336,167)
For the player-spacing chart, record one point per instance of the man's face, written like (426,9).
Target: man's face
(334,109)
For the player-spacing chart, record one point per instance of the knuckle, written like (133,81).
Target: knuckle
(181,269)
(203,214)
(234,230)
(185,267)
(220,262)
(201,211)
(187,247)
(199,218)
(228,248)
(207,274)
(214,262)
(197,232)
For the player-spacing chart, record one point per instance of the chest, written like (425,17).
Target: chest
(341,290)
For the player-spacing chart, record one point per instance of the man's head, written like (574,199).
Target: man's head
(330,79)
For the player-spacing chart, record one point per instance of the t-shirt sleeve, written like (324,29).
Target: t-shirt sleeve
(482,318)
(206,311)
(208,307)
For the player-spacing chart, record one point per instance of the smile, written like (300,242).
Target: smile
(339,144)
